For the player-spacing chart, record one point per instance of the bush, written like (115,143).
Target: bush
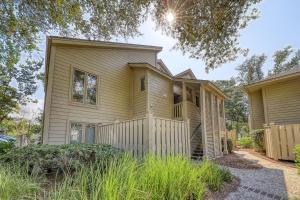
(5,146)
(229,145)
(15,183)
(245,142)
(154,178)
(59,158)
(258,140)
(297,152)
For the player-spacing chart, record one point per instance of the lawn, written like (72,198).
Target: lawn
(102,172)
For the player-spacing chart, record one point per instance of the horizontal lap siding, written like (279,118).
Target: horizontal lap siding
(160,95)
(113,87)
(257,110)
(283,102)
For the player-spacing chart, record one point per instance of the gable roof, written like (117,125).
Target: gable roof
(283,76)
(164,68)
(187,73)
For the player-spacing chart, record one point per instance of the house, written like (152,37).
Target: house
(274,105)
(123,95)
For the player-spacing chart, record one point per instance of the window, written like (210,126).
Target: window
(76,133)
(197,101)
(82,133)
(90,134)
(143,84)
(84,89)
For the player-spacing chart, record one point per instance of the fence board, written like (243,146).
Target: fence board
(166,136)
(280,140)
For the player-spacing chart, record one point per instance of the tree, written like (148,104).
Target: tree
(236,105)
(251,69)
(283,60)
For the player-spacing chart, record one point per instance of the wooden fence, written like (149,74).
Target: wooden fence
(280,140)
(147,135)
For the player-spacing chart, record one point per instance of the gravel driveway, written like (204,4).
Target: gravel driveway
(274,181)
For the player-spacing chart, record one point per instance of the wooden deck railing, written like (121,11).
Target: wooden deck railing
(177,110)
(280,140)
(147,135)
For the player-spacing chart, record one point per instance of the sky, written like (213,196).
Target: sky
(277,27)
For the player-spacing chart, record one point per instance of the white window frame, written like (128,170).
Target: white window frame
(84,103)
(84,125)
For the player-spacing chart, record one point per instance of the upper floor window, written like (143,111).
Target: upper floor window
(84,87)
(143,84)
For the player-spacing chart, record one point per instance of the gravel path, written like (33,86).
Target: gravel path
(273,181)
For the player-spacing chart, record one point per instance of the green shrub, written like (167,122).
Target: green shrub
(297,152)
(212,175)
(245,142)
(152,178)
(5,146)
(258,140)
(229,145)
(59,158)
(15,183)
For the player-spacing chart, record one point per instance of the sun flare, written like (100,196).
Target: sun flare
(170,16)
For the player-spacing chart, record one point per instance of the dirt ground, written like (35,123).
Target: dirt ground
(236,161)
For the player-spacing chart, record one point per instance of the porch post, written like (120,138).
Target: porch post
(219,126)
(184,103)
(212,108)
(203,120)
(225,135)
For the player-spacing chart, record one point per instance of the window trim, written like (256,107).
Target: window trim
(84,104)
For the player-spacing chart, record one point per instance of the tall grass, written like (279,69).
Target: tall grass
(15,183)
(152,178)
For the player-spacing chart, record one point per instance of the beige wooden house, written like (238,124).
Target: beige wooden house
(274,104)
(121,94)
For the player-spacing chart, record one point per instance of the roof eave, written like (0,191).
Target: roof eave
(103,44)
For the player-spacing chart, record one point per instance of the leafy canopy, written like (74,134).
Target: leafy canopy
(204,29)
(284,60)
(251,69)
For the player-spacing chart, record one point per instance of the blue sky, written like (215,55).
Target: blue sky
(277,27)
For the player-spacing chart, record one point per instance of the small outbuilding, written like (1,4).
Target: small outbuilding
(274,104)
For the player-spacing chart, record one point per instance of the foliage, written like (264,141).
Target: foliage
(207,30)
(284,61)
(258,140)
(22,126)
(245,142)
(153,178)
(5,146)
(63,158)
(251,69)
(297,152)
(15,183)
(213,176)
(236,106)
(229,145)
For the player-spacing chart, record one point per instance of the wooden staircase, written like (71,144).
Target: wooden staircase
(196,144)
